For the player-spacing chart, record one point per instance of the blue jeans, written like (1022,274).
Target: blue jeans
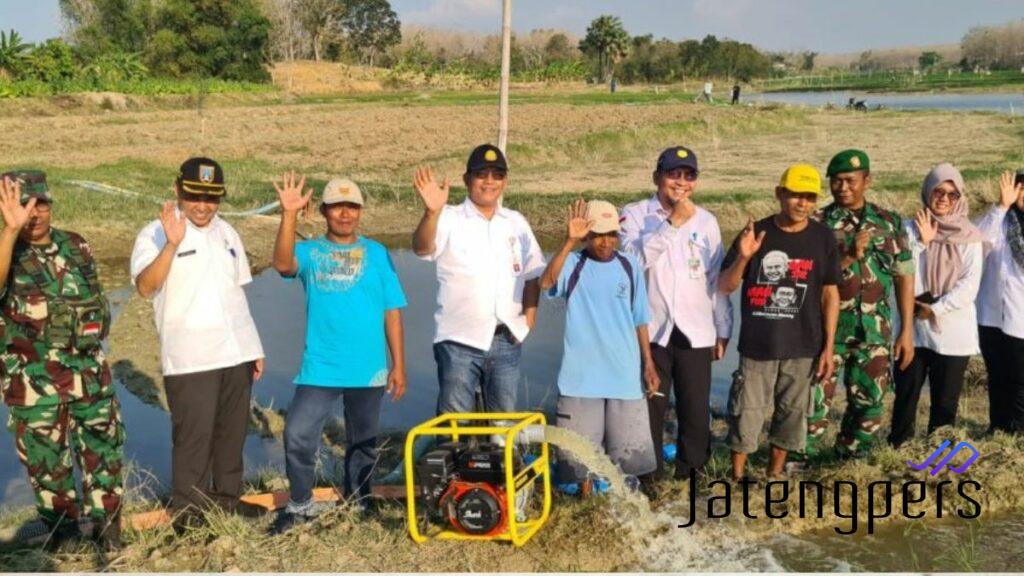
(462,369)
(304,428)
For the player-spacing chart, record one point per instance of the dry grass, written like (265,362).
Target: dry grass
(312,78)
(555,147)
(559,150)
(582,535)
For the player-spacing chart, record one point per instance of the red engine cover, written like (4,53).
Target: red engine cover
(458,490)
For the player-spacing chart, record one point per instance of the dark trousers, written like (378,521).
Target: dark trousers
(945,375)
(687,371)
(209,421)
(304,428)
(1004,362)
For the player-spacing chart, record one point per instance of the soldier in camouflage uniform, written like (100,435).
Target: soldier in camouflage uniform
(876,256)
(56,381)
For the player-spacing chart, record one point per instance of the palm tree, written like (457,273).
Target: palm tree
(607,40)
(12,51)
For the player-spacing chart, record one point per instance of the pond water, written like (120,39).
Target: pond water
(278,308)
(987,544)
(1004,102)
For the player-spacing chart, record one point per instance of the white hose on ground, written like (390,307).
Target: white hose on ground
(108,189)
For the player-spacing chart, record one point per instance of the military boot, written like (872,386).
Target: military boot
(61,533)
(106,533)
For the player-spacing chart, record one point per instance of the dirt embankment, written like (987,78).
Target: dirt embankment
(559,149)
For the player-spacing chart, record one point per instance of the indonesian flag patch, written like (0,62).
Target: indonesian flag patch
(91,329)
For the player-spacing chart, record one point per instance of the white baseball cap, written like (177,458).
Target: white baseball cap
(342,190)
(603,217)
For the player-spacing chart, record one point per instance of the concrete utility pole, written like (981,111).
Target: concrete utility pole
(506,65)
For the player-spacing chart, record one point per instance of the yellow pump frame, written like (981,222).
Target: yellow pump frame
(448,425)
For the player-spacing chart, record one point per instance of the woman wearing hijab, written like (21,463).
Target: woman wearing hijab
(1001,306)
(948,255)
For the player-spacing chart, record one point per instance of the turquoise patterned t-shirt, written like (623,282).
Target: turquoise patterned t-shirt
(348,290)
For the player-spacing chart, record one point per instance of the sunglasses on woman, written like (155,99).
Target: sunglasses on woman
(953,196)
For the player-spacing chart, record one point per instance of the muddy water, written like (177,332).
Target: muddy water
(1005,102)
(279,311)
(989,544)
(278,308)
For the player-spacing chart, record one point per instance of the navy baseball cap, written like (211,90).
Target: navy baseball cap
(677,157)
(486,156)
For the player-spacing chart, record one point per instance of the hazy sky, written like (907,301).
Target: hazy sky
(820,25)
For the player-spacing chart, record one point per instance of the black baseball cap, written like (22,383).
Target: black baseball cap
(677,157)
(486,156)
(201,175)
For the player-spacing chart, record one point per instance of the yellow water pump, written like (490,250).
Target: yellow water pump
(474,483)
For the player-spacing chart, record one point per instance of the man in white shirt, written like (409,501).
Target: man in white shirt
(488,265)
(1001,306)
(680,247)
(192,263)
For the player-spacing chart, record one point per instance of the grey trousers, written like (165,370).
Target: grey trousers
(209,421)
(619,426)
(782,386)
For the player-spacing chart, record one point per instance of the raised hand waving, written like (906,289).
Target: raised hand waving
(577,223)
(15,215)
(289,192)
(434,195)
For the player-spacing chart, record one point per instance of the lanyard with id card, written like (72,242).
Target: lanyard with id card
(694,264)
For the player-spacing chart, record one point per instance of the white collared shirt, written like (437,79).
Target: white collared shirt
(482,266)
(682,266)
(957,333)
(1001,298)
(202,314)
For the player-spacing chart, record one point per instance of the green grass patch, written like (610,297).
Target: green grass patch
(141,87)
(475,98)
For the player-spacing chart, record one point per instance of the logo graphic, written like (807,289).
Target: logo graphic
(945,461)
(682,153)
(784,297)
(490,155)
(205,173)
(774,266)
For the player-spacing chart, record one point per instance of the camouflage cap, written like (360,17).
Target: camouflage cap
(848,161)
(33,184)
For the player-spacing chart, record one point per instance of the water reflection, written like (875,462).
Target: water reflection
(1006,103)
(278,307)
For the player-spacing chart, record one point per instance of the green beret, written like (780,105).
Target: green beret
(33,184)
(848,161)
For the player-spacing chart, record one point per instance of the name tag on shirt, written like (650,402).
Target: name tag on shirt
(188,253)
(696,268)
(694,264)
(516,253)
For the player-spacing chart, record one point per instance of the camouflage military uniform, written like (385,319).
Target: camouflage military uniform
(56,381)
(864,335)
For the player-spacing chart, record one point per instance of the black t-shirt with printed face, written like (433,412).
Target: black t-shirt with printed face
(781,294)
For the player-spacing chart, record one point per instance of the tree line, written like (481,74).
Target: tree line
(110,41)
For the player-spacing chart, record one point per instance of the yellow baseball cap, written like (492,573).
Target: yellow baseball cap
(801,179)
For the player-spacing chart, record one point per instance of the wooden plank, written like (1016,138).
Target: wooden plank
(35,532)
